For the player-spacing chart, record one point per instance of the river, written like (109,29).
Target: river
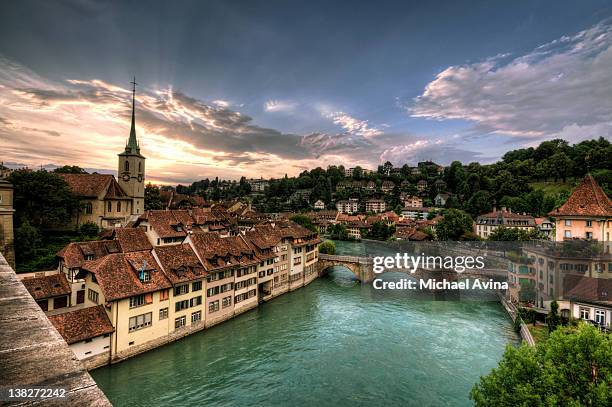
(335,342)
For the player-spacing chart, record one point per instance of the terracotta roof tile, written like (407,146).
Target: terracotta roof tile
(221,252)
(589,289)
(74,254)
(54,285)
(82,324)
(117,274)
(132,239)
(93,185)
(588,199)
(180,263)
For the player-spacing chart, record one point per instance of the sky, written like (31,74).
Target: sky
(266,88)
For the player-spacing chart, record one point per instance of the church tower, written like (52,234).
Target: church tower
(131,172)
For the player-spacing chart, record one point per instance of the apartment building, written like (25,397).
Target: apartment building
(348,206)
(375,205)
(487,223)
(258,185)
(387,186)
(587,214)
(413,202)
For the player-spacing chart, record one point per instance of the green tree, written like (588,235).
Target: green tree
(42,198)
(152,197)
(70,169)
(27,241)
(304,221)
(338,232)
(327,247)
(454,224)
(572,368)
(89,229)
(553,320)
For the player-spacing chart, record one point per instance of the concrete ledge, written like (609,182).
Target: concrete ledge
(33,353)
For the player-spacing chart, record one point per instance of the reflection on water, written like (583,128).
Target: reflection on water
(335,342)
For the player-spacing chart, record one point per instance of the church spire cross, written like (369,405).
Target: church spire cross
(132,145)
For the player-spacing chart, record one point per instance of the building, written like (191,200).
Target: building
(319,205)
(487,223)
(258,185)
(590,299)
(375,205)
(131,166)
(108,202)
(387,186)
(50,292)
(4,171)
(441,198)
(417,213)
(88,333)
(587,214)
(371,186)
(546,227)
(7,236)
(422,185)
(350,206)
(537,274)
(413,202)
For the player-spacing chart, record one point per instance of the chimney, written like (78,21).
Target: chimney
(494,208)
(503,209)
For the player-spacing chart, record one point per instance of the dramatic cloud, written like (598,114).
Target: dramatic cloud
(354,126)
(561,88)
(279,106)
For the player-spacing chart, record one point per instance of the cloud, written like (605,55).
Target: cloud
(221,103)
(556,89)
(279,106)
(354,126)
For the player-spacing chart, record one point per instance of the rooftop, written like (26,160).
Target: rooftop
(48,286)
(82,324)
(588,199)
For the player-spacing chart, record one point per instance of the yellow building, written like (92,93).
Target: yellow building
(7,247)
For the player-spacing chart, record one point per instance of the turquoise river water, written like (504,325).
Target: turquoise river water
(335,342)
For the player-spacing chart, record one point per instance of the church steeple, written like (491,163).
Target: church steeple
(132,146)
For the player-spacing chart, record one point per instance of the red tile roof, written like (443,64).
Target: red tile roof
(164,223)
(218,252)
(54,285)
(82,324)
(94,185)
(588,199)
(132,239)
(117,274)
(588,289)
(75,253)
(180,263)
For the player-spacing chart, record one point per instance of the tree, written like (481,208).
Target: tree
(454,224)
(27,241)
(42,198)
(89,229)
(504,234)
(480,202)
(327,247)
(304,221)
(70,169)
(553,320)
(338,232)
(573,367)
(152,197)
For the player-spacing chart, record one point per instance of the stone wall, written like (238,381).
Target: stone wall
(34,353)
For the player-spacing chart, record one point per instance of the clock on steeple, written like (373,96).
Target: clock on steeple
(131,168)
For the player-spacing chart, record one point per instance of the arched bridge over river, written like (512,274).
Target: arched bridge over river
(363,269)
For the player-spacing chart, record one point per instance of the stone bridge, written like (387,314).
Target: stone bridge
(363,269)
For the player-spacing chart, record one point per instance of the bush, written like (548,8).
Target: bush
(327,247)
(89,229)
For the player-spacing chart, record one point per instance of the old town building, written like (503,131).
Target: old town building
(7,239)
(487,223)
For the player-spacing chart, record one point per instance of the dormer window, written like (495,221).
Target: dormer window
(89,257)
(144,276)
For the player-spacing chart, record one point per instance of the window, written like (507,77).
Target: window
(164,295)
(195,301)
(589,235)
(589,223)
(212,291)
(92,296)
(181,305)
(584,313)
(109,206)
(181,289)
(568,233)
(139,167)
(137,301)
(227,302)
(196,286)
(163,313)
(88,208)
(196,316)
(126,166)
(213,306)
(144,276)
(297,260)
(600,316)
(140,321)
(180,322)
(568,222)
